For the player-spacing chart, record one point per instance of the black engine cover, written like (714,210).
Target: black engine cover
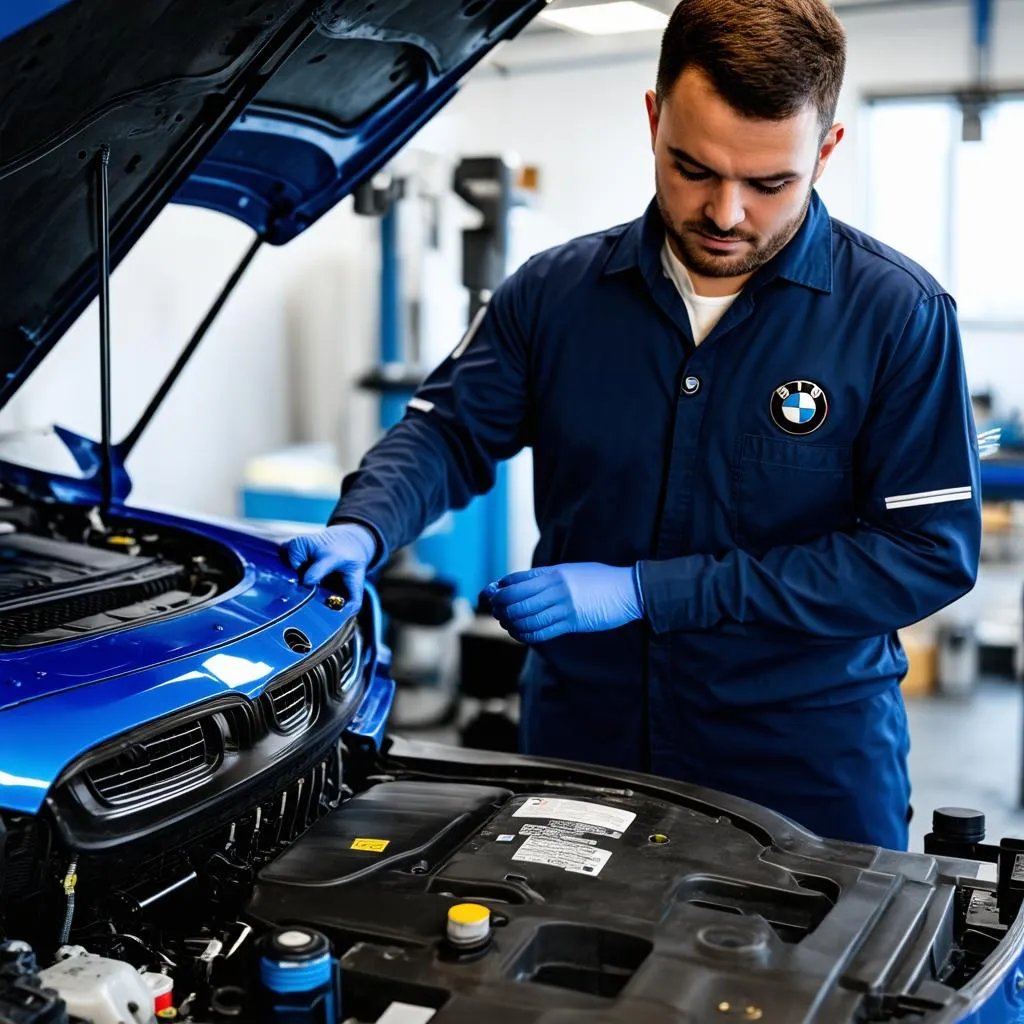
(609,907)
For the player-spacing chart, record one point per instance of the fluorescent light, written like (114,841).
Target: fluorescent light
(607,19)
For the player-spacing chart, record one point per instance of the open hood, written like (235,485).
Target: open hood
(271,110)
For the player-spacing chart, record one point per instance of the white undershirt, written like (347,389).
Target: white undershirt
(704,310)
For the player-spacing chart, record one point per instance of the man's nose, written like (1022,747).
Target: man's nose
(725,208)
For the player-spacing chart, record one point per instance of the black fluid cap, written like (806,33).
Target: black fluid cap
(959,824)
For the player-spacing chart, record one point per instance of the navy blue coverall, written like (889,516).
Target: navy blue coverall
(795,489)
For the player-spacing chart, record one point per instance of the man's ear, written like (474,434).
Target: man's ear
(828,147)
(653,114)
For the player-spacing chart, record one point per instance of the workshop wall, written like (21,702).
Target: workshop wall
(296,332)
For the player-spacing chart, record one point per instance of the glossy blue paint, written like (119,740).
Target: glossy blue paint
(85,489)
(275,159)
(231,179)
(996,994)
(371,718)
(18,14)
(62,700)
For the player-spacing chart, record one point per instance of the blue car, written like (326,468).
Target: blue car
(202,815)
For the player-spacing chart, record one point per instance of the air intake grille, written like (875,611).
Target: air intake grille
(165,766)
(291,706)
(340,669)
(20,626)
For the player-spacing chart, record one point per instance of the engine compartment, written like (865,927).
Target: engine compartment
(598,901)
(66,574)
(198,863)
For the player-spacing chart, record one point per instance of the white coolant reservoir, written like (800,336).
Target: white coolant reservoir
(101,990)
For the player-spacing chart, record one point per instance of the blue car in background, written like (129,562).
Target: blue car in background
(202,817)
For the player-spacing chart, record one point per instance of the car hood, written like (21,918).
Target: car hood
(271,110)
(61,700)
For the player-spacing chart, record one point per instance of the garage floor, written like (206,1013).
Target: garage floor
(966,753)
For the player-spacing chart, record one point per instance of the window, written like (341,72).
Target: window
(950,205)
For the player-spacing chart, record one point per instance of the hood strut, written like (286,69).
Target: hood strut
(211,314)
(103,233)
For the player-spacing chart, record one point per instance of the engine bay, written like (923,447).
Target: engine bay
(250,857)
(416,890)
(68,574)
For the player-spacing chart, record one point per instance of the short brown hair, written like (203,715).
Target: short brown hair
(766,58)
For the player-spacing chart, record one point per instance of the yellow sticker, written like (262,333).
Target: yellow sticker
(370,845)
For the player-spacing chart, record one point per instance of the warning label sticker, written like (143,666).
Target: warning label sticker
(1017,873)
(602,819)
(370,845)
(571,834)
(575,857)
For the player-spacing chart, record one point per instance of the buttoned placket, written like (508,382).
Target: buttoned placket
(675,521)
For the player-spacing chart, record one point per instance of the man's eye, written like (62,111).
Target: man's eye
(692,175)
(769,190)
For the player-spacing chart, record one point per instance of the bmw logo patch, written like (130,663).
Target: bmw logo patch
(799,407)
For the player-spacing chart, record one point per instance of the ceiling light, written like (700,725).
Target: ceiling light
(607,19)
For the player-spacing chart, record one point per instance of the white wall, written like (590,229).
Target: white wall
(235,397)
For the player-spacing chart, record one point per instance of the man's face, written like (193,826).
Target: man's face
(732,190)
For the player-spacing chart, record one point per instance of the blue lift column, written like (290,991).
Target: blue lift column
(392,325)
(469,548)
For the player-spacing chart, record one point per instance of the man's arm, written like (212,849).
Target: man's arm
(916,546)
(469,414)
(914,550)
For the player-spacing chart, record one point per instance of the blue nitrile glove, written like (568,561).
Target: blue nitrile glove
(582,597)
(346,549)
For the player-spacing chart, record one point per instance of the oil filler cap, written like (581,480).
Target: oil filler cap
(959,824)
(469,925)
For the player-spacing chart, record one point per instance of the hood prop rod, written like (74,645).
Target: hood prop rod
(103,232)
(186,354)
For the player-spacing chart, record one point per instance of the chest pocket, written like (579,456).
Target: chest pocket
(788,492)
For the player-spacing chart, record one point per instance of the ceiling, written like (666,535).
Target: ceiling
(543,46)
(540,27)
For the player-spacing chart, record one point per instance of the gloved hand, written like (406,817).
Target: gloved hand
(582,597)
(346,548)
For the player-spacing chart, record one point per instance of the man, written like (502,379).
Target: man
(753,449)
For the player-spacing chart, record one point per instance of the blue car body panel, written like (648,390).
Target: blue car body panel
(18,14)
(279,168)
(163,105)
(62,700)
(268,155)
(996,994)
(86,489)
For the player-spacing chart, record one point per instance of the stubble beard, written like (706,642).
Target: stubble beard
(707,264)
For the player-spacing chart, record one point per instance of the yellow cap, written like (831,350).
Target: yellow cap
(468,923)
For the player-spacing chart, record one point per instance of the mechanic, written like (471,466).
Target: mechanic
(754,457)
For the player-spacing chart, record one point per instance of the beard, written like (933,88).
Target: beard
(708,264)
